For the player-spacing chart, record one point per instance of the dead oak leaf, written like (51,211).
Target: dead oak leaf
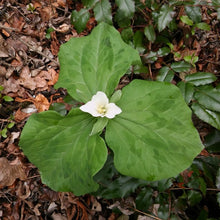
(9,172)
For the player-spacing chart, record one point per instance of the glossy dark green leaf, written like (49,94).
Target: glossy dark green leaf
(180,66)
(165,17)
(212,142)
(89,3)
(127,34)
(79,19)
(165,74)
(210,117)
(194,197)
(113,184)
(187,90)
(200,78)
(125,12)
(209,97)
(150,33)
(103,12)
(198,183)
(194,13)
(62,149)
(144,199)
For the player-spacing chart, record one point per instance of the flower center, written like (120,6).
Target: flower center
(101,110)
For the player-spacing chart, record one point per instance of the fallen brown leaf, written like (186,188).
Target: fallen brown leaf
(9,172)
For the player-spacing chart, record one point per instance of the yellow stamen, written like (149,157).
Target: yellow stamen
(101,110)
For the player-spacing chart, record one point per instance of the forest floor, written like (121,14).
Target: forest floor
(29,68)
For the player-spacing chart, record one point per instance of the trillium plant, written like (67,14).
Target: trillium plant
(147,124)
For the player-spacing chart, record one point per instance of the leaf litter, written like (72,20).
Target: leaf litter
(28,70)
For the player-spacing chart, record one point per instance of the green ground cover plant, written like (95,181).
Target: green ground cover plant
(142,149)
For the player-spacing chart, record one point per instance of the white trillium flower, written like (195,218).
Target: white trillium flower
(99,106)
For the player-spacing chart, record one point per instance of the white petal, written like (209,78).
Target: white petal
(100,98)
(91,108)
(112,110)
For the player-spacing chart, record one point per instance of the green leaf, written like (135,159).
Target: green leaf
(10,125)
(4,132)
(165,74)
(89,3)
(144,199)
(94,63)
(209,97)
(103,12)
(153,138)
(211,117)
(138,41)
(212,142)
(1,88)
(99,126)
(150,33)
(62,149)
(200,78)
(116,96)
(8,98)
(127,34)
(125,12)
(79,19)
(187,90)
(164,17)
(194,197)
(203,26)
(185,19)
(180,66)
(194,13)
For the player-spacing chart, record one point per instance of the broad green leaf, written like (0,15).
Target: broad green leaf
(194,13)
(80,19)
(187,90)
(185,19)
(164,17)
(200,78)
(103,12)
(180,66)
(125,12)
(165,74)
(210,117)
(209,97)
(94,63)
(203,26)
(153,138)
(150,33)
(62,149)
